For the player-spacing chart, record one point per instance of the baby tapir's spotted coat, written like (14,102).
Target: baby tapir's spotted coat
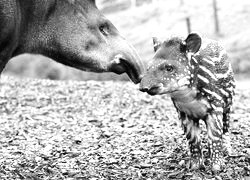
(199,78)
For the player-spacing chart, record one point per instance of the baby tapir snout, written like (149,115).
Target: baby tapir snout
(151,89)
(150,84)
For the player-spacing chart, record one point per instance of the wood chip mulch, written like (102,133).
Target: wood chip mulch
(103,130)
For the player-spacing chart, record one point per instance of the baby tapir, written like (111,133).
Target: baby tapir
(198,76)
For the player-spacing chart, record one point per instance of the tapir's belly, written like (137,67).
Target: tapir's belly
(194,109)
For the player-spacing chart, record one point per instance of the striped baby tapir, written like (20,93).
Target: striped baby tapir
(198,76)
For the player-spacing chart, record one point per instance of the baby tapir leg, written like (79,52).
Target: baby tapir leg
(214,129)
(192,131)
(226,135)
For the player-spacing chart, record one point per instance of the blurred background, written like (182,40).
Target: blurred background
(139,20)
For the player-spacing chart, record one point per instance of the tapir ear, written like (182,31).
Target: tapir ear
(156,43)
(193,43)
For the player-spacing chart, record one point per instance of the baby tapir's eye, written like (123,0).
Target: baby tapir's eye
(167,67)
(104,29)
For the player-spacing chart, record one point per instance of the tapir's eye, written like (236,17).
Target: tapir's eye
(167,67)
(104,29)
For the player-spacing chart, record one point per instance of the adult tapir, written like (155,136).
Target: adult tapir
(72,32)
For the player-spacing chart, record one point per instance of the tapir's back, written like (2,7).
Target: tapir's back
(213,73)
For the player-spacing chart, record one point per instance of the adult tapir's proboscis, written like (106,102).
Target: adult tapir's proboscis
(72,32)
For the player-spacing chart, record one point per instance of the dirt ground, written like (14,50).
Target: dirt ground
(103,130)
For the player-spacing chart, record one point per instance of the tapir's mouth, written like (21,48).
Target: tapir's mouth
(154,91)
(159,90)
(172,90)
(131,71)
(120,65)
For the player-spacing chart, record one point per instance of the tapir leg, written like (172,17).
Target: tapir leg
(192,132)
(226,135)
(2,65)
(3,62)
(215,129)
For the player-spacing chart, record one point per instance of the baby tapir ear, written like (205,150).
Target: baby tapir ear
(156,43)
(193,43)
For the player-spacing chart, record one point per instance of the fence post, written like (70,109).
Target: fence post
(181,2)
(133,3)
(188,25)
(216,19)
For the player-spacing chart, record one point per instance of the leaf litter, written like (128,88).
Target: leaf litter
(103,130)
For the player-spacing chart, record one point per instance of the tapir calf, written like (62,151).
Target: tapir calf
(72,32)
(198,76)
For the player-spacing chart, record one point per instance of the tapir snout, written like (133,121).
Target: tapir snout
(150,85)
(72,32)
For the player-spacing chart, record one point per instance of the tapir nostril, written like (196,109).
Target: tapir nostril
(153,90)
(142,89)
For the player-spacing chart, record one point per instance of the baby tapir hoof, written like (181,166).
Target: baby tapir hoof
(217,166)
(195,164)
(217,163)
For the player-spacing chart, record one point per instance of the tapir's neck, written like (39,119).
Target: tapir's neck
(185,96)
(9,30)
(189,102)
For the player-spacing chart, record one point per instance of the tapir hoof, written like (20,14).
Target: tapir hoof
(217,166)
(194,164)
